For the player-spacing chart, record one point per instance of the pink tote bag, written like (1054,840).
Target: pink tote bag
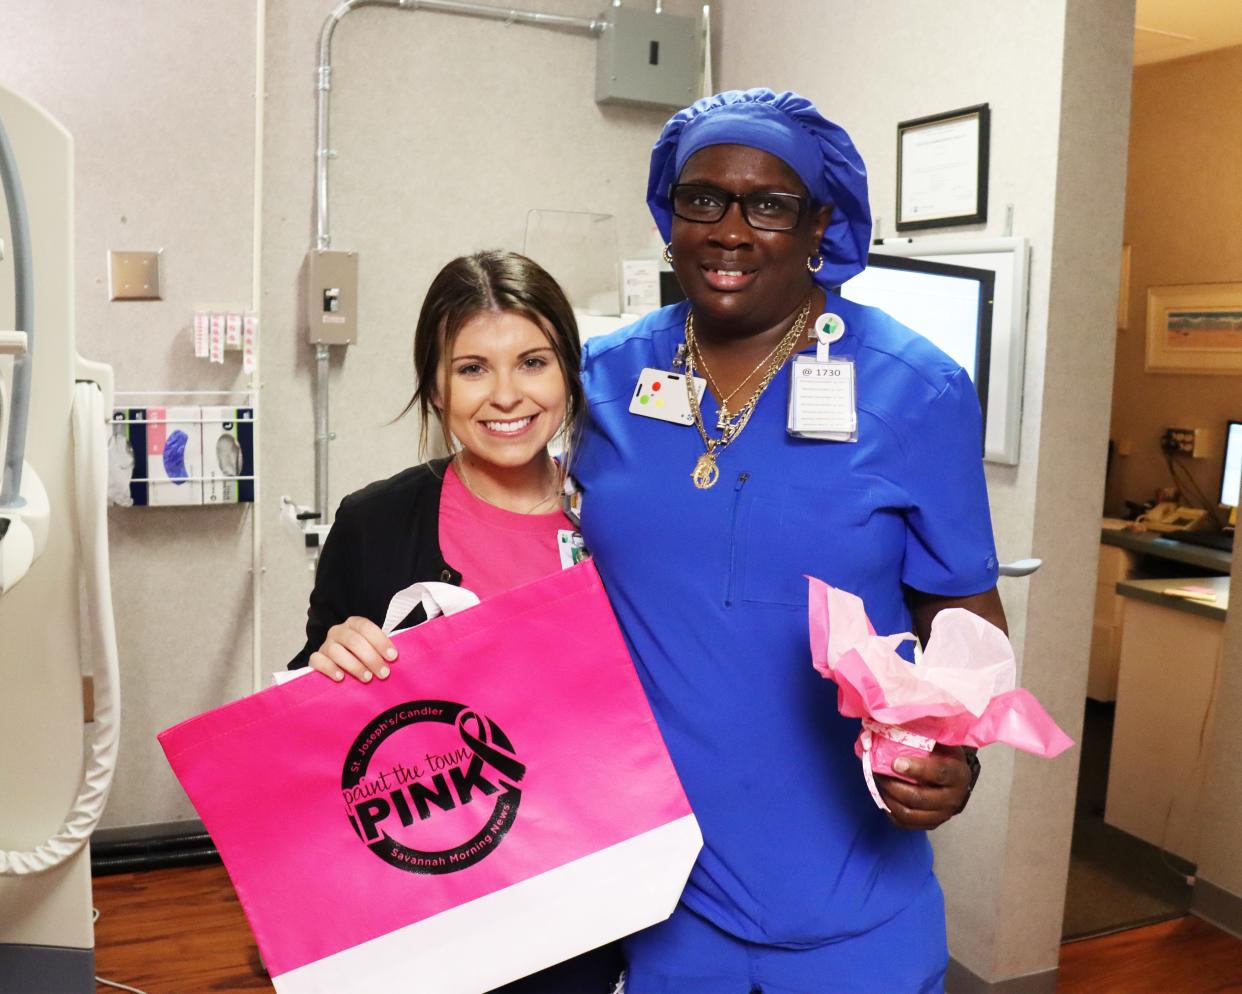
(501,802)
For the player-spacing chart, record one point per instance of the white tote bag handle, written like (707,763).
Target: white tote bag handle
(436,599)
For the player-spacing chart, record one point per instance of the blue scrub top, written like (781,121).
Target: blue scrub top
(710,592)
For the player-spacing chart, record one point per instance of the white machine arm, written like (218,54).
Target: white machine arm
(17,542)
(90,446)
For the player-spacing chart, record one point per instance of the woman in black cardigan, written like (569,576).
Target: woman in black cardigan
(496,354)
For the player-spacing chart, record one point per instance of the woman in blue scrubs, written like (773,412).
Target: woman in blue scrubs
(704,534)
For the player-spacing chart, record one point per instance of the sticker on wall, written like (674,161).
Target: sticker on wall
(233,331)
(202,334)
(250,341)
(217,337)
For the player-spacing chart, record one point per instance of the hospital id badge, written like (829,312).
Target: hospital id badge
(662,395)
(571,547)
(821,399)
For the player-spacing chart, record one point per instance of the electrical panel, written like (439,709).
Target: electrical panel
(645,59)
(332,297)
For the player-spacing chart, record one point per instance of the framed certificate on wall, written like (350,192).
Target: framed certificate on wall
(942,169)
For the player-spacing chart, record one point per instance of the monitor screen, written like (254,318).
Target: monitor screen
(1231,473)
(950,305)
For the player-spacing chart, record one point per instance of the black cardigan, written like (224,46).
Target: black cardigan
(386,536)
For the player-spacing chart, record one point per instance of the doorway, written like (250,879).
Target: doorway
(1130,870)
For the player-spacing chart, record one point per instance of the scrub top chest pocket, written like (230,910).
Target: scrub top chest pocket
(837,534)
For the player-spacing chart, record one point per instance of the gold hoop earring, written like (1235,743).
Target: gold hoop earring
(819,263)
(668,253)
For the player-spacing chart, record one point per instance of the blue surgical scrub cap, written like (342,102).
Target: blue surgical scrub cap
(788,126)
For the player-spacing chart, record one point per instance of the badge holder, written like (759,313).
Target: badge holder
(569,541)
(821,389)
(663,396)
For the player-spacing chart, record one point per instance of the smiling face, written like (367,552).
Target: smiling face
(742,280)
(502,393)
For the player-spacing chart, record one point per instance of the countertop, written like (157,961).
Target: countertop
(1153,592)
(1154,544)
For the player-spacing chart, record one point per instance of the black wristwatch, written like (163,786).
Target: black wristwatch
(972,764)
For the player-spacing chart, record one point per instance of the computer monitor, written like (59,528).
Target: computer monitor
(950,305)
(1231,470)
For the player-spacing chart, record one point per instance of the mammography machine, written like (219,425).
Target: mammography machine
(53,558)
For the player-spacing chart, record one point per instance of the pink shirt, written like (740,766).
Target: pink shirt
(495,550)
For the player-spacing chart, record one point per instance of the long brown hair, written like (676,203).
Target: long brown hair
(501,282)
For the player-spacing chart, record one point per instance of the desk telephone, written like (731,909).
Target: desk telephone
(1169,517)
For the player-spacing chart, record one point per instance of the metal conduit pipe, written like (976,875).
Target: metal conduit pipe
(19,408)
(323,152)
(322,434)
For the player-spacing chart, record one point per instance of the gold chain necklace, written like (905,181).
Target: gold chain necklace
(460,462)
(706,472)
(725,416)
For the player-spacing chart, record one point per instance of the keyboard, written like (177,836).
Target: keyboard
(1221,540)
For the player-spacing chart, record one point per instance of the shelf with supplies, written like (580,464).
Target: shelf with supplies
(182,448)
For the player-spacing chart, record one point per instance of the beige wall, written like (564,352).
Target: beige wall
(1183,202)
(448,130)
(1056,76)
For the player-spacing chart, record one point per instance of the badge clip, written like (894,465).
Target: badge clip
(829,328)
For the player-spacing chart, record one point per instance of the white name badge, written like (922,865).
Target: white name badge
(662,395)
(821,399)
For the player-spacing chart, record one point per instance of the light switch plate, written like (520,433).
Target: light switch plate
(134,275)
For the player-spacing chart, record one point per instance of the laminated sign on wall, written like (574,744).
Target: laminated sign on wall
(503,801)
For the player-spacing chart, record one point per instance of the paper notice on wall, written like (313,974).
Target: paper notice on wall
(202,334)
(233,331)
(640,286)
(217,338)
(250,342)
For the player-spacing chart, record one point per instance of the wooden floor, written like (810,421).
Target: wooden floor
(1182,956)
(175,932)
(182,932)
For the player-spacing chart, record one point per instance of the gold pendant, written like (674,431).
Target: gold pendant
(706,472)
(723,418)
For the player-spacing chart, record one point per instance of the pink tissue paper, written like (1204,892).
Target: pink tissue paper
(962,691)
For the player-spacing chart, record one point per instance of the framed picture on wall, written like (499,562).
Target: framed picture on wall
(942,169)
(1195,328)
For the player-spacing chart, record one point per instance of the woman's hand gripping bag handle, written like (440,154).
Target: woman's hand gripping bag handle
(961,692)
(455,826)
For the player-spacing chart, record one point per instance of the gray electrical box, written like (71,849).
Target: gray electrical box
(647,60)
(332,297)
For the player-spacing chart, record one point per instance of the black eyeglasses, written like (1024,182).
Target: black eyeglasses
(765,211)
